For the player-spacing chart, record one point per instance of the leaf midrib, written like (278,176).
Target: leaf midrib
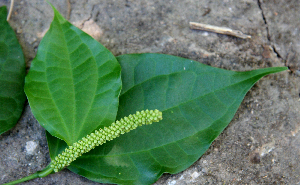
(64,43)
(175,141)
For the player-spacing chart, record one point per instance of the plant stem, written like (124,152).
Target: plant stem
(46,171)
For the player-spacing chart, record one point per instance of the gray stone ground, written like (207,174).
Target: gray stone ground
(262,143)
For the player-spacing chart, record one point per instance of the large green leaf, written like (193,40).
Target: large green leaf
(73,83)
(198,102)
(12,74)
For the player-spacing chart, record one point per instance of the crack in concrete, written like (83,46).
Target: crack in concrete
(276,52)
(264,18)
(37,9)
(89,18)
(259,2)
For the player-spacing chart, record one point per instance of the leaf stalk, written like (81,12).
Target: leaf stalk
(39,174)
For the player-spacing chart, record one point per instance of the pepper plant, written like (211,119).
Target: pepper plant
(76,89)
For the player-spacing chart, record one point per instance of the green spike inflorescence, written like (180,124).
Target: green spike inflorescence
(100,136)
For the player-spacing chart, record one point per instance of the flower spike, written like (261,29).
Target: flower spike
(100,136)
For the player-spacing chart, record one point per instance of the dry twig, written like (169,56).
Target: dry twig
(69,9)
(10,9)
(221,30)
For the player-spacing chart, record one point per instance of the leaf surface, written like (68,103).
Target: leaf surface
(197,101)
(12,75)
(73,83)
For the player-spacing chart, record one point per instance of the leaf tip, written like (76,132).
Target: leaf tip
(56,13)
(280,69)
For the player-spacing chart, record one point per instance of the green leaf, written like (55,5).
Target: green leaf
(198,102)
(73,83)
(56,146)
(12,74)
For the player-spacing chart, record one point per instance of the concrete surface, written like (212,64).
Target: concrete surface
(262,143)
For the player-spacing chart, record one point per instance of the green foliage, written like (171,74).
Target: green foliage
(73,89)
(73,83)
(197,101)
(12,74)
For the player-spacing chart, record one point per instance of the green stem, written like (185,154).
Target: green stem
(46,171)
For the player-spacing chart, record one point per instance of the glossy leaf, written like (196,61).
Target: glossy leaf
(198,102)
(12,75)
(73,83)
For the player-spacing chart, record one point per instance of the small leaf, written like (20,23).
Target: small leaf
(73,83)
(12,75)
(197,101)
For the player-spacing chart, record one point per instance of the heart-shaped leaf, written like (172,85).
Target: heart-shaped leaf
(73,83)
(12,75)
(197,101)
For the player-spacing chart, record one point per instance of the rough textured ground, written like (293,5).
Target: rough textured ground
(262,143)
